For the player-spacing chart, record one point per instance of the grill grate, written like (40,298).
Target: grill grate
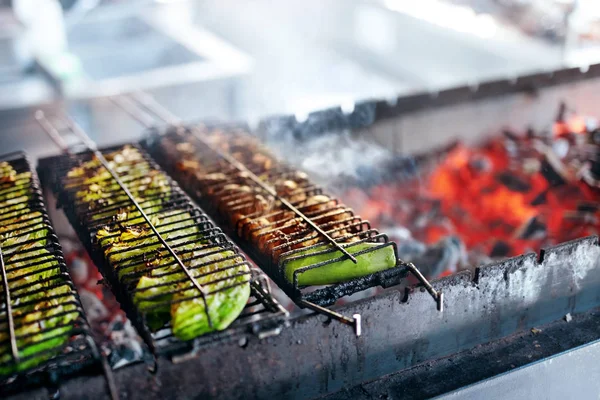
(167,235)
(268,229)
(149,112)
(43,332)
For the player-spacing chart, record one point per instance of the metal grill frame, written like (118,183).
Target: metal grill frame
(163,342)
(324,296)
(79,353)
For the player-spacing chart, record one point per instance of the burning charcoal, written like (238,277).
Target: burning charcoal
(595,159)
(92,305)
(448,254)
(588,207)
(531,165)
(553,177)
(560,147)
(513,182)
(595,136)
(511,148)
(126,346)
(532,229)
(581,217)
(510,135)
(399,233)
(561,113)
(117,325)
(501,249)
(409,249)
(524,192)
(79,270)
(540,199)
(480,164)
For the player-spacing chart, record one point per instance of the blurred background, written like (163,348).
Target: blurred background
(244,60)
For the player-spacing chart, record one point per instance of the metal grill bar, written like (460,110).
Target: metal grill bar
(91,145)
(9,315)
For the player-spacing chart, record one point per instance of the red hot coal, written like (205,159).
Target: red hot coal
(509,195)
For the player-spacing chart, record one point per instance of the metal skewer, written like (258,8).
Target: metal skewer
(9,316)
(90,144)
(52,132)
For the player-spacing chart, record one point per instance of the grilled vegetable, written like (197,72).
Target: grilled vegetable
(224,279)
(161,289)
(43,312)
(260,219)
(100,192)
(43,304)
(338,271)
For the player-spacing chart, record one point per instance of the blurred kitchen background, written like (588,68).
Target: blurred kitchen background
(242,60)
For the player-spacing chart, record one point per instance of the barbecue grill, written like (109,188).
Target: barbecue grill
(318,213)
(319,220)
(313,357)
(262,315)
(37,348)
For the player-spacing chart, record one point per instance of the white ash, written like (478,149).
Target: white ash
(568,317)
(331,156)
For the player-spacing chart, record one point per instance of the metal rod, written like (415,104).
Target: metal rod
(51,130)
(133,110)
(242,168)
(437,295)
(110,379)
(355,321)
(106,369)
(149,103)
(90,144)
(9,316)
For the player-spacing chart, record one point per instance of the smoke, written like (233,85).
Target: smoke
(338,160)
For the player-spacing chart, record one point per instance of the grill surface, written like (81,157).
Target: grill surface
(261,314)
(49,337)
(260,218)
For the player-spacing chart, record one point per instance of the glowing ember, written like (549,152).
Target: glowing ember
(111,328)
(507,196)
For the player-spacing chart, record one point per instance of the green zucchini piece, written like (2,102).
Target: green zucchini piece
(188,316)
(141,260)
(340,271)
